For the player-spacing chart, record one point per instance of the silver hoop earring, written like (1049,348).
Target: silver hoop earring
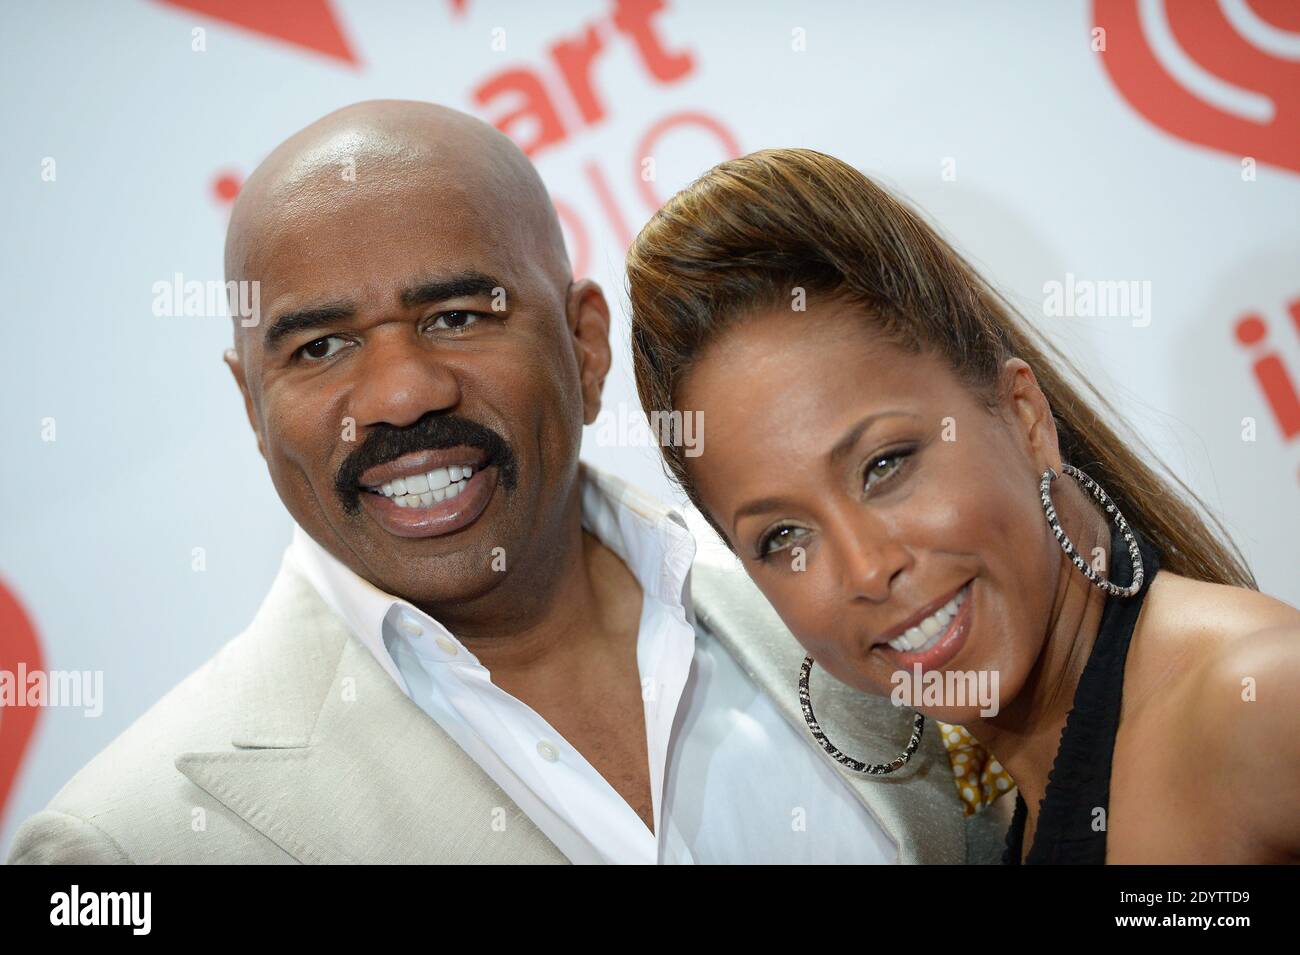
(1067,545)
(871,769)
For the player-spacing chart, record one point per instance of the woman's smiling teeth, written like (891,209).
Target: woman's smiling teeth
(425,490)
(927,633)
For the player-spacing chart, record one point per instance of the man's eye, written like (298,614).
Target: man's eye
(321,348)
(455,321)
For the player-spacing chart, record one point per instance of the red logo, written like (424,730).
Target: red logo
(1276,385)
(1222,75)
(18,645)
(309,24)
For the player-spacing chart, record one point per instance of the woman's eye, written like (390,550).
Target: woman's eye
(455,321)
(882,467)
(321,348)
(777,539)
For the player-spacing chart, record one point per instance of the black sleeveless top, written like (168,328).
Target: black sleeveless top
(1079,782)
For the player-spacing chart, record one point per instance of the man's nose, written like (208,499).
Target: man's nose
(401,379)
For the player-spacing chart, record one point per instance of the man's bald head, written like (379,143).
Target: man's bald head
(386,148)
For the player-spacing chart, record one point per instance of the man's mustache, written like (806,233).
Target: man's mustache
(433,432)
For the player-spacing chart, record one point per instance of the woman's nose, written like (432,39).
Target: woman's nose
(871,558)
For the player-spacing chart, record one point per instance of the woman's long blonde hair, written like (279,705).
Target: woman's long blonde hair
(748,232)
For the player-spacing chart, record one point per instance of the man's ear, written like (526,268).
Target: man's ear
(1030,414)
(589,321)
(236,366)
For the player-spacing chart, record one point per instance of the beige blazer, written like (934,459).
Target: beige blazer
(293,745)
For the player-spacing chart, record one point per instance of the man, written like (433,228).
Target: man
(478,648)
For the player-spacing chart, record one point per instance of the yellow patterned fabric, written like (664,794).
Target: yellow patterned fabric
(980,778)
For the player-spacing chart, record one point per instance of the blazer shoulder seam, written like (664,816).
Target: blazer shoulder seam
(117,846)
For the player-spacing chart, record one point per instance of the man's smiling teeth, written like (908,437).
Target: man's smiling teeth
(927,633)
(425,490)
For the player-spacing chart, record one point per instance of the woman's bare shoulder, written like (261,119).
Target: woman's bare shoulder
(1217,643)
(1210,616)
(1230,661)
(1188,627)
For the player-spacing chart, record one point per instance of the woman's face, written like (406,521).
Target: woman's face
(870,494)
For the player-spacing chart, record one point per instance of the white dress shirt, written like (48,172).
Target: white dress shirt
(731,780)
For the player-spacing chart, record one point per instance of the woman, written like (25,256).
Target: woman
(906,471)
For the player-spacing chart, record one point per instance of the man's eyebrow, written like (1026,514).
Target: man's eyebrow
(461,285)
(305,318)
(423,292)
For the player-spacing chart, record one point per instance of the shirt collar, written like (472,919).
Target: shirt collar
(648,536)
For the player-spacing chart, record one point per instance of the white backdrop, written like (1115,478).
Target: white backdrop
(1170,157)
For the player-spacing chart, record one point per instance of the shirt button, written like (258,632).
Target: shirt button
(410,626)
(547,751)
(446,646)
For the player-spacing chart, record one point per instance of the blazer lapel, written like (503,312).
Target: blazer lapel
(918,806)
(334,763)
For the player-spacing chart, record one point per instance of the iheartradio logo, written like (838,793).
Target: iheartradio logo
(1269,370)
(1219,73)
